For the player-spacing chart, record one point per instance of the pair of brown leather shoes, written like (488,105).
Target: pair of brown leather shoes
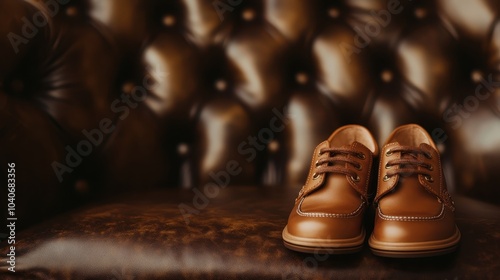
(414,214)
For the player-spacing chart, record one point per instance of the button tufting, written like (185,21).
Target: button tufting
(71,11)
(441,147)
(476,76)
(220,85)
(334,12)
(420,13)
(128,87)
(273,146)
(183,149)
(248,14)
(301,78)
(169,20)
(82,187)
(386,76)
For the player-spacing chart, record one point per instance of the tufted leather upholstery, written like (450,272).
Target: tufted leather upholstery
(178,89)
(186,82)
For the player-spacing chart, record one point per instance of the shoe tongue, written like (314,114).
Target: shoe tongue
(408,178)
(346,147)
(403,155)
(409,156)
(354,146)
(341,155)
(357,146)
(351,146)
(338,181)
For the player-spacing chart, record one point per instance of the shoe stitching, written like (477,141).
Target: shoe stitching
(428,186)
(329,215)
(315,156)
(392,181)
(369,156)
(443,192)
(410,218)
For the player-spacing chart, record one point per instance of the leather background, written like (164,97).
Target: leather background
(211,82)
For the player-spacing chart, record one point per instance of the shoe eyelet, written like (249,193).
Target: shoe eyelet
(316,163)
(358,167)
(430,167)
(388,153)
(387,166)
(386,178)
(428,178)
(361,156)
(428,155)
(315,176)
(355,179)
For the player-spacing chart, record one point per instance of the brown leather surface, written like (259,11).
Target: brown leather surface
(238,235)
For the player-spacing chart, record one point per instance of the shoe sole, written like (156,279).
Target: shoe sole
(323,246)
(415,249)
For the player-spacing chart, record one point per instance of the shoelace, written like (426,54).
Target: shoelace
(408,165)
(338,155)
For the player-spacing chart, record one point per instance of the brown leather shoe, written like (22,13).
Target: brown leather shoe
(328,213)
(414,212)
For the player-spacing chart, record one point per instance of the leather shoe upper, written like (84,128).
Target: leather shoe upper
(332,202)
(413,204)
